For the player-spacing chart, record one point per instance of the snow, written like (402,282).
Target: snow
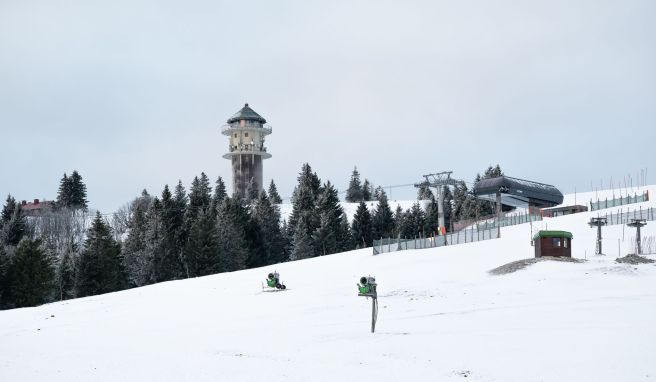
(442,317)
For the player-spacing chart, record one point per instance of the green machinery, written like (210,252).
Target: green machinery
(367,288)
(273,281)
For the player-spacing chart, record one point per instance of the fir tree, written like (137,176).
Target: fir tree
(399,221)
(448,208)
(8,210)
(202,251)
(354,192)
(274,197)
(324,236)
(424,193)
(270,248)
(361,227)
(134,251)
(252,191)
(78,192)
(382,219)
(302,244)
(72,192)
(65,274)
(142,271)
(14,229)
(233,248)
(345,240)
(431,222)
(304,200)
(219,194)
(64,192)
(415,220)
(367,191)
(332,233)
(4,267)
(100,269)
(168,263)
(30,277)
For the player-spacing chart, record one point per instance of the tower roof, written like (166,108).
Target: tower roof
(248,114)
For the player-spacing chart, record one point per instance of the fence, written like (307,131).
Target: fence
(621,201)
(480,230)
(460,237)
(624,217)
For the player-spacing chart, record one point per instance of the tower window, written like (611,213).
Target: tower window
(235,135)
(246,135)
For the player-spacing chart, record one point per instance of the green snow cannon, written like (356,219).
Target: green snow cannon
(367,286)
(273,281)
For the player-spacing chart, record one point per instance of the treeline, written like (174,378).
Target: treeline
(65,252)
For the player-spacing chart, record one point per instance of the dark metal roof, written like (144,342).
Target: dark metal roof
(248,114)
(518,192)
(542,234)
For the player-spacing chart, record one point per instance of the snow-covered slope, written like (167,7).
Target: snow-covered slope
(442,317)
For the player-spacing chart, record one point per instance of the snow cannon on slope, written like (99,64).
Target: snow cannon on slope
(273,281)
(367,287)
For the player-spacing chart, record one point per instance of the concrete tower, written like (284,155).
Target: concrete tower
(246,149)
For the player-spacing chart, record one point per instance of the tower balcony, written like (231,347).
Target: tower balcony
(255,127)
(246,149)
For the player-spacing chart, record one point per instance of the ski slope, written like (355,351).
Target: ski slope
(442,317)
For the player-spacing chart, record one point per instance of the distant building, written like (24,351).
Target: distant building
(561,211)
(36,207)
(246,149)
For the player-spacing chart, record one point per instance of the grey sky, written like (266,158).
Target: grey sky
(132,93)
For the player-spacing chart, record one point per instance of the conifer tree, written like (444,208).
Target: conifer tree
(304,200)
(100,267)
(399,221)
(354,192)
(431,221)
(167,263)
(270,248)
(72,192)
(324,238)
(345,240)
(233,248)
(424,193)
(252,191)
(219,194)
(331,233)
(367,191)
(4,267)
(382,218)
(65,274)
(78,192)
(14,229)
(30,276)
(361,227)
(202,251)
(64,192)
(143,270)
(448,208)
(274,197)
(7,210)
(415,220)
(135,259)
(302,244)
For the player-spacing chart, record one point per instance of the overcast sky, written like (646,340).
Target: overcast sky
(132,93)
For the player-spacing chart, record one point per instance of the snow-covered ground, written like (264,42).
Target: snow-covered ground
(442,317)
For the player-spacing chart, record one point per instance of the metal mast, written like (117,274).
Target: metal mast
(439,181)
